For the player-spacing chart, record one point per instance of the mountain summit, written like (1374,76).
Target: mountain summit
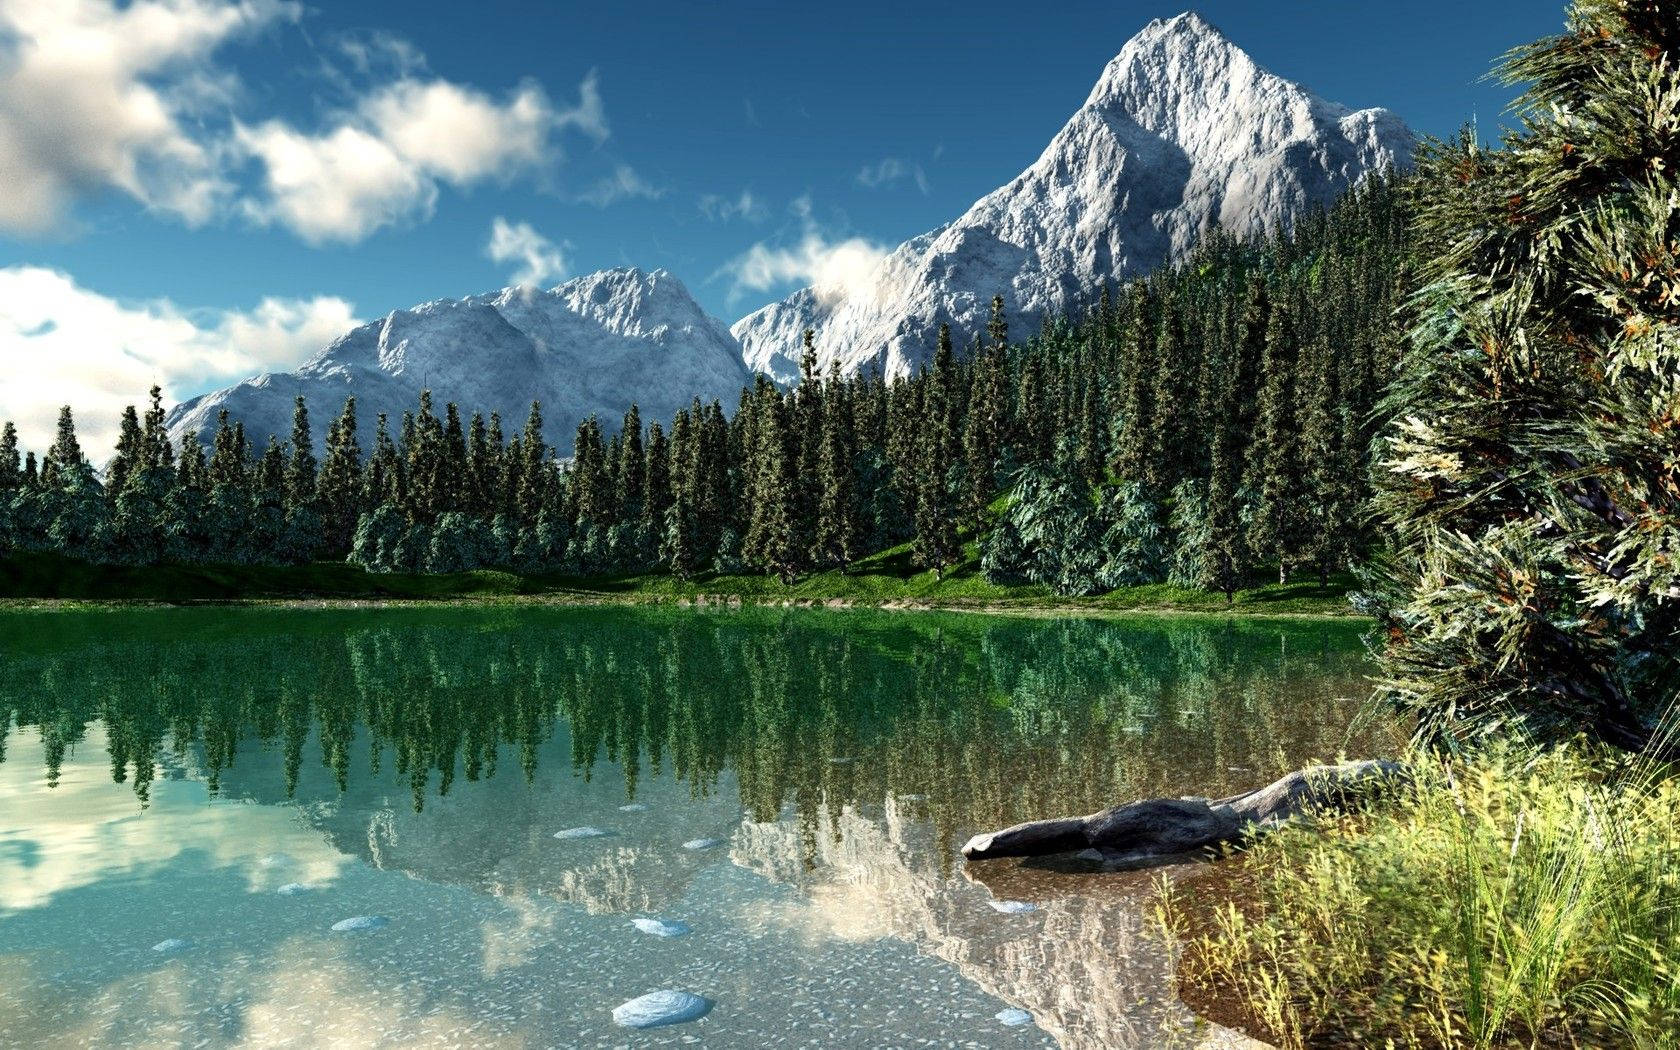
(1183,133)
(591,345)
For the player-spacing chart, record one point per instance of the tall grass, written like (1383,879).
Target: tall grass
(1514,900)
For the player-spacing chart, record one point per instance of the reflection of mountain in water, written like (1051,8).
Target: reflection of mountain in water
(1085,964)
(842,754)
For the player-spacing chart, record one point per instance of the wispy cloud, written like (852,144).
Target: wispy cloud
(744,206)
(540,259)
(889,170)
(622,184)
(61,343)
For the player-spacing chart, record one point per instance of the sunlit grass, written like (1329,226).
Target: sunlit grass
(1516,901)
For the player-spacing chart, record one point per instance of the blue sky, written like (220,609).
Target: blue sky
(201,189)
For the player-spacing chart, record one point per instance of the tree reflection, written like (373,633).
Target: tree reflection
(994,719)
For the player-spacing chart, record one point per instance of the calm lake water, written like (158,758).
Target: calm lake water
(191,799)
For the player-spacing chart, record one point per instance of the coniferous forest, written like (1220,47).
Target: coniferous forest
(1207,425)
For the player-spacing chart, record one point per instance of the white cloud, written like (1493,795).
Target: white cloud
(622,184)
(62,344)
(540,259)
(722,209)
(834,268)
(95,97)
(890,170)
(98,96)
(383,162)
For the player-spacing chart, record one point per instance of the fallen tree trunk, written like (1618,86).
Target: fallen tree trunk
(1171,827)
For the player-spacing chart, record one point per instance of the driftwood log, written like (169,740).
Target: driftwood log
(1174,827)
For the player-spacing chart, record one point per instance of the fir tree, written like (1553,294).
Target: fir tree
(839,532)
(11,468)
(131,453)
(341,485)
(300,468)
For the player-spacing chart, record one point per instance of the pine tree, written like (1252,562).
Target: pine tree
(936,517)
(131,453)
(1529,474)
(772,542)
(455,481)
(227,457)
(64,458)
(300,469)
(341,486)
(1133,443)
(656,481)
(839,533)
(533,487)
(632,467)
(1278,529)
(11,471)
(381,481)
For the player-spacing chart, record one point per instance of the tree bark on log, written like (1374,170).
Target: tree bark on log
(1171,827)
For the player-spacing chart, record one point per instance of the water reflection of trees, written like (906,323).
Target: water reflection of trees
(994,719)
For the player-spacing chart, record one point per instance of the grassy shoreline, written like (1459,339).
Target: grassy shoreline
(887,582)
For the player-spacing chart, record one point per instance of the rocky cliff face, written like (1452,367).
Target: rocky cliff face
(1182,134)
(592,345)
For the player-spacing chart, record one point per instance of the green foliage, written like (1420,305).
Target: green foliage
(1519,901)
(1532,477)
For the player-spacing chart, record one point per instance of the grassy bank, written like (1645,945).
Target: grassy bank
(1521,901)
(886,579)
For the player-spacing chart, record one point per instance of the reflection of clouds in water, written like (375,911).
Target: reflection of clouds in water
(83,832)
(1086,965)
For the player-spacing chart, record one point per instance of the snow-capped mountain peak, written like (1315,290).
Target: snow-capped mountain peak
(1182,132)
(592,345)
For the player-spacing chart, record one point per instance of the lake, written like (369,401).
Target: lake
(192,799)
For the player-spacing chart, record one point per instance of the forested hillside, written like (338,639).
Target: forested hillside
(1206,425)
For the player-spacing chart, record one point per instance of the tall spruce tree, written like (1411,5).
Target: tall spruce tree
(341,482)
(301,467)
(11,467)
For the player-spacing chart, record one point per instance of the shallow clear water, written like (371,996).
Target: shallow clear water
(242,780)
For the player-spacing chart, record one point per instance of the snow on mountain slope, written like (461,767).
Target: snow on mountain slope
(591,345)
(1183,132)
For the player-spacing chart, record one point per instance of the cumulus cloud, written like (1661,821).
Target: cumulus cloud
(622,184)
(540,259)
(383,162)
(721,209)
(99,96)
(835,268)
(61,343)
(890,170)
(96,97)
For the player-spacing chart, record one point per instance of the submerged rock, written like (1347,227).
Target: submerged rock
(699,844)
(657,1009)
(172,945)
(359,923)
(1014,1017)
(633,807)
(584,832)
(1013,907)
(292,889)
(661,927)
